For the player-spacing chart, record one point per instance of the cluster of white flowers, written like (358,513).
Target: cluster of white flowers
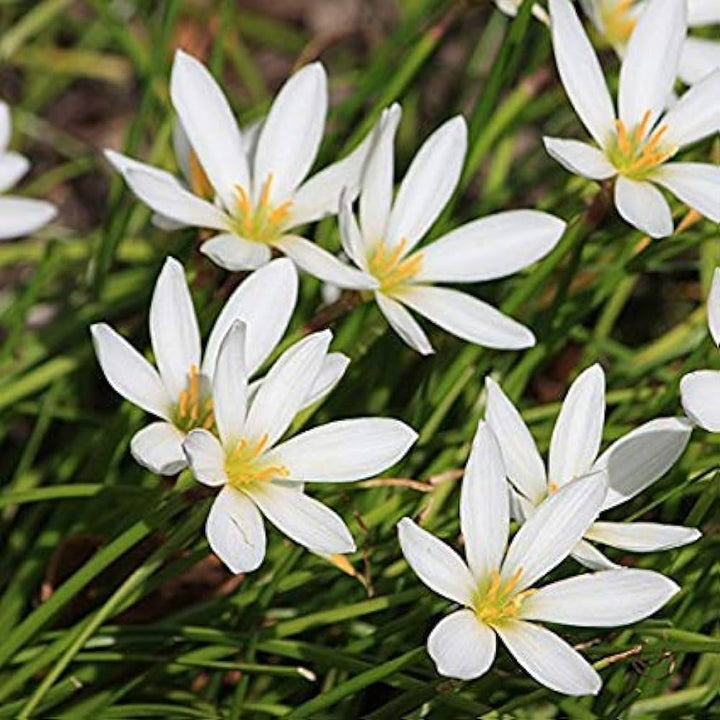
(229,426)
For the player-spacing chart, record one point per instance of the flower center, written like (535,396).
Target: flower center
(243,465)
(194,407)
(390,268)
(260,223)
(618,20)
(635,155)
(500,601)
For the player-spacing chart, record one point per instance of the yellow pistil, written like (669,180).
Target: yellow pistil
(635,155)
(199,182)
(194,409)
(260,222)
(389,266)
(617,21)
(499,601)
(242,466)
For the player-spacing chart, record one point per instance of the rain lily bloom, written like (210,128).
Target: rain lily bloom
(496,584)
(632,464)
(636,146)
(701,390)
(179,392)
(18,215)
(383,243)
(259,477)
(251,187)
(616,20)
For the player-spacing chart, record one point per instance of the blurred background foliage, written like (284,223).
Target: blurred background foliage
(111,605)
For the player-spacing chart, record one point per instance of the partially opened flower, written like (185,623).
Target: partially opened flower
(251,186)
(260,475)
(700,390)
(496,584)
(636,146)
(632,463)
(384,243)
(616,20)
(18,215)
(179,392)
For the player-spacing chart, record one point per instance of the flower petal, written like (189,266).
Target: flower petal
(303,519)
(5,125)
(436,564)
(23,216)
(210,126)
(461,646)
(696,115)
(158,447)
(713,307)
(235,531)
(129,373)
(235,253)
(344,450)
(641,536)
(264,301)
(321,264)
(523,463)
(646,75)
(467,317)
(580,72)
(230,385)
(583,600)
(290,138)
(644,207)
(578,429)
(174,329)
(331,372)
(703,12)
(550,534)
(206,457)
(701,398)
(491,247)
(428,184)
(589,556)
(403,323)
(696,184)
(699,57)
(580,158)
(378,180)
(643,456)
(484,505)
(549,659)
(285,388)
(350,235)
(166,196)
(319,196)
(12,167)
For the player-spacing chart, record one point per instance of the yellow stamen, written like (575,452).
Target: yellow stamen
(265,193)
(499,601)
(641,128)
(617,21)
(260,222)
(241,464)
(387,265)
(633,154)
(552,487)
(193,409)
(198,179)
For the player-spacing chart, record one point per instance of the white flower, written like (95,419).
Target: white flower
(383,243)
(701,390)
(632,463)
(18,215)
(616,20)
(180,391)
(635,147)
(250,186)
(495,586)
(259,476)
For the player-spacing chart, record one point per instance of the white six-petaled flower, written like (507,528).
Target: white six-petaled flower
(616,20)
(383,243)
(636,146)
(251,186)
(700,390)
(496,584)
(18,215)
(180,391)
(632,464)
(258,476)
